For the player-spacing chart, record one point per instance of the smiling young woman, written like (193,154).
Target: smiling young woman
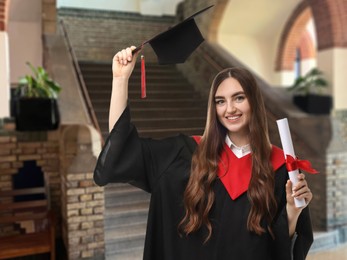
(222,195)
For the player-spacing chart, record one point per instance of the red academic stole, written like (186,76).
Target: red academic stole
(235,173)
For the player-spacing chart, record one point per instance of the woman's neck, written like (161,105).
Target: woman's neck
(239,139)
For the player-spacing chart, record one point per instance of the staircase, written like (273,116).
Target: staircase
(171,107)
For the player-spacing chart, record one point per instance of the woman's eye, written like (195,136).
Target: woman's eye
(240,98)
(219,102)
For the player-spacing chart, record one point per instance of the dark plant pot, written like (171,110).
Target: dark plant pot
(36,114)
(314,104)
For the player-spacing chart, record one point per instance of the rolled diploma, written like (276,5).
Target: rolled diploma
(288,148)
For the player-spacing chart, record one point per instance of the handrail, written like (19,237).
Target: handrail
(81,82)
(205,55)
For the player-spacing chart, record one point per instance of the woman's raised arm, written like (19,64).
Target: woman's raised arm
(123,64)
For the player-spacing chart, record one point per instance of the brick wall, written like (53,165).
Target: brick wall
(2,15)
(330,22)
(83,216)
(68,163)
(43,147)
(307,48)
(98,35)
(291,35)
(82,199)
(337,174)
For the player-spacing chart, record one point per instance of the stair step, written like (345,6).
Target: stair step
(116,247)
(152,103)
(155,113)
(107,66)
(125,196)
(126,231)
(161,133)
(150,123)
(150,77)
(167,103)
(174,86)
(130,254)
(107,72)
(155,94)
(116,217)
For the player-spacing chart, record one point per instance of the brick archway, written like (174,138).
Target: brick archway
(331,22)
(306,46)
(291,37)
(3,6)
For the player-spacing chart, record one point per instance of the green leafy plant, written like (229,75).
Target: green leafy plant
(312,82)
(38,85)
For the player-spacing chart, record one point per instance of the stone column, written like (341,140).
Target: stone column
(336,176)
(83,201)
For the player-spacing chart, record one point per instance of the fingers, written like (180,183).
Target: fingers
(301,184)
(125,56)
(301,189)
(289,187)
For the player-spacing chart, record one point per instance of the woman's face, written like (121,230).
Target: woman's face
(233,110)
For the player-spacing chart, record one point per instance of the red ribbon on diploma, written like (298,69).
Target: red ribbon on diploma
(295,164)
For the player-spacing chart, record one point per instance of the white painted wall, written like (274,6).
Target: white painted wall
(25,36)
(311,28)
(307,65)
(119,5)
(25,46)
(256,52)
(251,31)
(285,77)
(333,63)
(4,76)
(146,7)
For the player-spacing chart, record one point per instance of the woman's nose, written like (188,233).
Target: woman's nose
(231,108)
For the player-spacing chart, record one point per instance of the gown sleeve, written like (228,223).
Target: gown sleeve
(286,247)
(128,158)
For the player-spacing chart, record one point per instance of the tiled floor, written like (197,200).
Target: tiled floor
(339,253)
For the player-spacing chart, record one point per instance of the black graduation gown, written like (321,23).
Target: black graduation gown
(162,167)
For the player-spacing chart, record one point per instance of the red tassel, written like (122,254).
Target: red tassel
(143,77)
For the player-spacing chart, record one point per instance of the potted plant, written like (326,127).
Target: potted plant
(35,106)
(308,93)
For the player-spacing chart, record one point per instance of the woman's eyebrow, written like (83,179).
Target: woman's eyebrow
(238,93)
(233,95)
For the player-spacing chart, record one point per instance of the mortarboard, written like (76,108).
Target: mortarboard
(174,45)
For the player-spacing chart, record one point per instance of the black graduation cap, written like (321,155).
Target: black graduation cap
(174,45)
(178,42)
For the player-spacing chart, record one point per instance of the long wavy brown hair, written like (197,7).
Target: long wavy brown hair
(199,196)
